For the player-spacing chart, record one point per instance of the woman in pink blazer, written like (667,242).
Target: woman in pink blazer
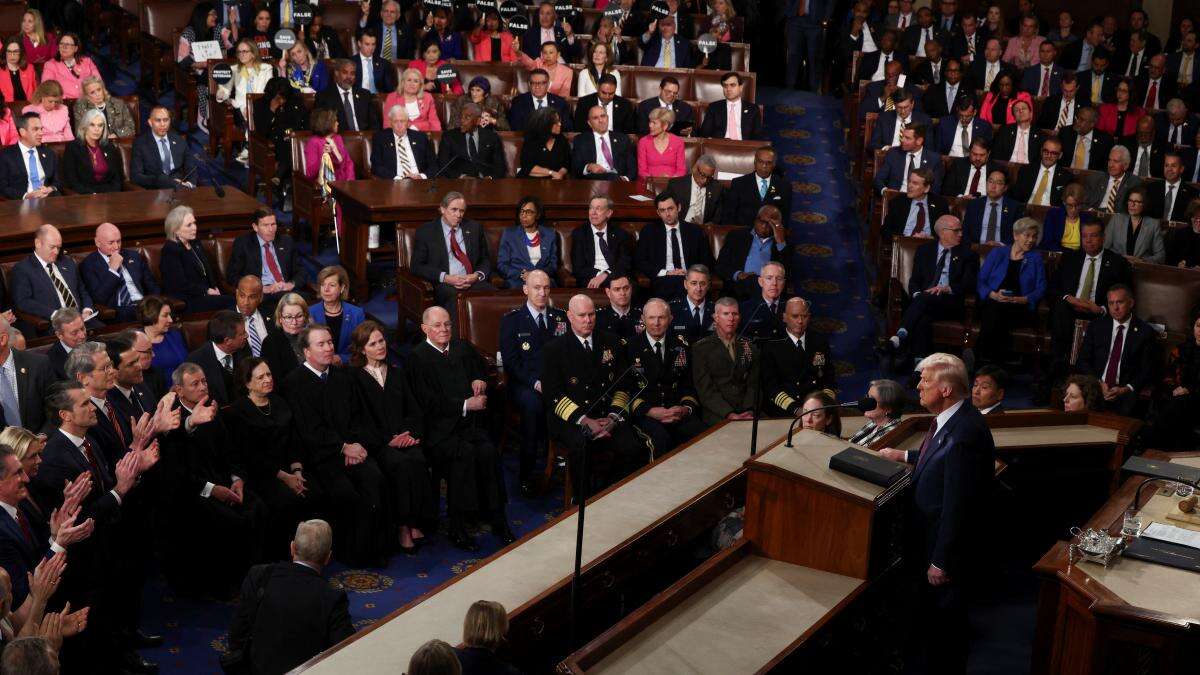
(482,41)
(561,75)
(422,109)
(15,62)
(998,103)
(68,67)
(660,153)
(325,156)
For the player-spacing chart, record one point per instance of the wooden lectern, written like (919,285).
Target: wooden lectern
(813,541)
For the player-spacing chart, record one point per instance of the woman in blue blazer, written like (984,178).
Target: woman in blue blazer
(1011,283)
(521,244)
(333,287)
(1062,224)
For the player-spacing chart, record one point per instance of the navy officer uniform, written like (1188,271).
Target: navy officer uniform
(523,333)
(573,380)
(667,367)
(683,318)
(628,325)
(794,367)
(762,321)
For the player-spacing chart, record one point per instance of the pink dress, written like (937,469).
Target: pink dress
(342,170)
(56,124)
(668,164)
(71,82)
(8,131)
(426,118)
(561,75)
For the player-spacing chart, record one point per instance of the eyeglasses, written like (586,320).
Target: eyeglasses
(291,317)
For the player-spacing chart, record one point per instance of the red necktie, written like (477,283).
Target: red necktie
(926,443)
(974,189)
(272,263)
(24,523)
(112,417)
(1151,96)
(458,252)
(1045,83)
(91,458)
(1114,358)
(920,226)
(903,23)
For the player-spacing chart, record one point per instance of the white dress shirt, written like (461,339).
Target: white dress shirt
(1049,174)
(695,212)
(600,159)
(601,263)
(959,149)
(404,149)
(1112,340)
(942,418)
(25,163)
(671,263)
(1087,260)
(78,442)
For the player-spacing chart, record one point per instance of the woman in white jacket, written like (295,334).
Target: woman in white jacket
(250,76)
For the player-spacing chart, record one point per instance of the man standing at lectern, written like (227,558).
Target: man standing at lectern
(950,486)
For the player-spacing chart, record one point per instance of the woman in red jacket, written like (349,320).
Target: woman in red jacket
(998,103)
(1120,119)
(492,43)
(19,79)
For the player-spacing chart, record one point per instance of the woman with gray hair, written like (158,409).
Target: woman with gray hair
(889,403)
(1011,283)
(186,271)
(91,164)
(96,97)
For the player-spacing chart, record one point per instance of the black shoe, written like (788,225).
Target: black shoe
(529,489)
(134,663)
(461,540)
(139,639)
(504,533)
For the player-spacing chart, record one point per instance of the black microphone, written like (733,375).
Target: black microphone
(202,158)
(437,174)
(217,187)
(865,404)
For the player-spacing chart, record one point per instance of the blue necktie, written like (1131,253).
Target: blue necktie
(123,297)
(762,188)
(8,399)
(35,178)
(166,155)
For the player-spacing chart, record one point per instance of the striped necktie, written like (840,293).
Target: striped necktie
(255,338)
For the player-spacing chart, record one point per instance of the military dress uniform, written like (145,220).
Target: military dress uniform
(628,326)
(683,320)
(792,370)
(522,336)
(724,380)
(668,374)
(759,321)
(573,380)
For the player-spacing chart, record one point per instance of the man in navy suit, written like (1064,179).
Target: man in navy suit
(746,125)
(523,332)
(667,248)
(1187,49)
(31,374)
(910,214)
(400,152)
(990,218)
(373,74)
(887,128)
(1058,110)
(160,157)
(1043,79)
(1120,350)
(668,97)
(967,176)
(220,354)
(764,310)
(24,538)
(942,99)
(599,249)
(362,113)
(550,29)
(268,255)
(748,193)
(452,265)
(538,96)
(951,489)
(598,153)
(1042,183)
(943,275)
(1176,126)
(910,155)
(692,313)
(395,40)
(956,133)
(1153,89)
(805,19)
(45,281)
(621,118)
(677,53)
(1098,85)
(117,277)
(17,181)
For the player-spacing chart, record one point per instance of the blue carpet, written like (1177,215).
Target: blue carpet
(828,265)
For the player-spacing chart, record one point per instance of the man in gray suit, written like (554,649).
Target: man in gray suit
(702,185)
(1135,234)
(1110,191)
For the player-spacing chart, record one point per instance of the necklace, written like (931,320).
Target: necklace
(260,408)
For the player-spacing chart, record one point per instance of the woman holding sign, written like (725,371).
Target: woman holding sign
(429,63)
(201,30)
(491,42)
(422,111)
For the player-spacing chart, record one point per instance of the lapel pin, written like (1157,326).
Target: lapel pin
(22,371)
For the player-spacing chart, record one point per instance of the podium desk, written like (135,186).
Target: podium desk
(811,547)
(377,202)
(1133,617)
(632,531)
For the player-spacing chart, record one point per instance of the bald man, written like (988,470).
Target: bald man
(45,281)
(578,370)
(448,379)
(117,277)
(668,410)
(796,365)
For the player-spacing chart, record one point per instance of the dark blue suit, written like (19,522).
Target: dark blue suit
(948,129)
(895,162)
(247,259)
(522,109)
(14,172)
(105,286)
(759,322)
(1031,80)
(974,222)
(584,151)
(146,167)
(521,342)
(32,291)
(885,128)
(683,322)
(20,554)
(513,255)
(383,153)
(383,74)
(682,56)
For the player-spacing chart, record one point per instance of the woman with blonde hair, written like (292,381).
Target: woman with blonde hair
(418,103)
(250,76)
(302,70)
(56,120)
(116,113)
(186,271)
(281,348)
(40,44)
(484,631)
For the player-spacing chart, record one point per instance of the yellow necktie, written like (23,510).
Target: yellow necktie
(1040,192)
(1079,161)
(1096,86)
(666,55)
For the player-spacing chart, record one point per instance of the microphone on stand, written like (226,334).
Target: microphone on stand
(865,404)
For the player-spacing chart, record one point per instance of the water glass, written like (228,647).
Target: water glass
(1131,526)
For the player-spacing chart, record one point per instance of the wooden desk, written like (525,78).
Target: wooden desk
(631,528)
(376,202)
(140,215)
(1133,617)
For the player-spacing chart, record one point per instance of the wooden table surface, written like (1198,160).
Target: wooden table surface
(139,214)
